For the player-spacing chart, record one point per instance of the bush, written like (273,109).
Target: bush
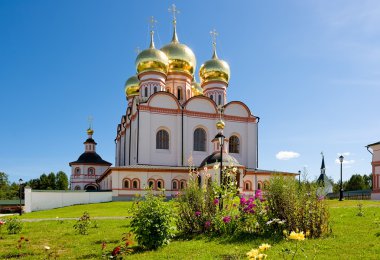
(151,221)
(299,205)
(83,224)
(14,226)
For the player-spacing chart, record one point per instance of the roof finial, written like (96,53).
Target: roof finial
(214,34)
(174,11)
(90,131)
(152,24)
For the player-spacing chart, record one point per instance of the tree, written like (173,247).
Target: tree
(61,181)
(356,182)
(51,181)
(368,181)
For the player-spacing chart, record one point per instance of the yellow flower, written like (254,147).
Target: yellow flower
(297,236)
(264,247)
(307,233)
(234,169)
(261,256)
(253,253)
(216,166)
(285,232)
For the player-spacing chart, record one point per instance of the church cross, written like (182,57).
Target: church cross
(90,119)
(174,11)
(152,22)
(214,34)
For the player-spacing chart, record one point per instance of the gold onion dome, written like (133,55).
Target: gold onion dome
(196,89)
(90,131)
(132,87)
(181,57)
(214,70)
(152,59)
(220,124)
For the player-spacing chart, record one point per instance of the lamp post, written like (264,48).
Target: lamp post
(341,181)
(220,138)
(20,183)
(299,177)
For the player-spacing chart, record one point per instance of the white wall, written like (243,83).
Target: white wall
(42,200)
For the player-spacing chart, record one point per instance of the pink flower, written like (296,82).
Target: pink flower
(216,201)
(258,194)
(207,224)
(2,222)
(227,219)
(242,200)
(197,213)
(116,251)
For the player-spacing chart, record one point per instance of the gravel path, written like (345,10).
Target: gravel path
(58,219)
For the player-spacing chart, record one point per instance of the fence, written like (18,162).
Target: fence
(352,195)
(45,199)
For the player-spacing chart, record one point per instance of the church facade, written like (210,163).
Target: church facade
(374,149)
(172,122)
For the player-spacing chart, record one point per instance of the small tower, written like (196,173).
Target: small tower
(215,75)
(323,180)
(88,167)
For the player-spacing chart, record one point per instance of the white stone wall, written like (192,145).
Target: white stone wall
(42,200)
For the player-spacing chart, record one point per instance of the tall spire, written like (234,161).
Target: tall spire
(214,34)
(174,11)
(323,167)
(152,24)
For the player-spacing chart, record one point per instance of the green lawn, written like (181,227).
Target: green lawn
(353,237)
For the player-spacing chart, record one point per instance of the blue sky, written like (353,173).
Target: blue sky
(309,69)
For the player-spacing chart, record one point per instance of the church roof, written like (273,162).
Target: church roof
(90,140)
(90,158)
(323,163)
(215,157)
(373,144)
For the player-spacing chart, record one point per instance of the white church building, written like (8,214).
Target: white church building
(170,119)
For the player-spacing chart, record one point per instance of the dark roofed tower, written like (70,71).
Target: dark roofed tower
(323,180)
(88,167)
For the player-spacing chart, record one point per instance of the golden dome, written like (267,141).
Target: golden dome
(214,70)
(90,131)
(152,59)
(220,124)
(196,89)
(132,87)
(181,57)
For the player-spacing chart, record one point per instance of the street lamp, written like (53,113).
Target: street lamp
(299,177)
(20,183)
(220,138)
(341,181)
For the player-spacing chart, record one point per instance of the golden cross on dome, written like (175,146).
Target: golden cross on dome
(152,22)
(138,50)
(214,34)
(174,11)
(90,119)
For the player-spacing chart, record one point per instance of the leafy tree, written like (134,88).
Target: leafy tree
(356,182)
(368,181)
(61,181)
(44,182)
(51,181)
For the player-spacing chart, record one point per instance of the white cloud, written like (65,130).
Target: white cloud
(344,154)
(345,161)
(287,155)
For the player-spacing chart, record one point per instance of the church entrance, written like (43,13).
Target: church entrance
(91,187)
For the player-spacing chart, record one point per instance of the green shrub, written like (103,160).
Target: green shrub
(14,226)
(83,224)
(299,205)
(151,221)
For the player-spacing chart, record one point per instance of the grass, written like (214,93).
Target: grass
(352,237)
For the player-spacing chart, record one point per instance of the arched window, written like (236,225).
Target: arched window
(77,171)
(199,140)
(175,185)
(162,140)
(127,184)
(179,93)
(182,185)
(146,92)
(259,186)
(135,184)
(247,185)
(77,188)
(151,184)
(234,144)
(160,184)
(155,89)
(219,100)
(212,97)
(91,171)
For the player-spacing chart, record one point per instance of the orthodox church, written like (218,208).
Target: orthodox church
(172,122)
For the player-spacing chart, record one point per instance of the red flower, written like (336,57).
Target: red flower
(116,250)
(104,245)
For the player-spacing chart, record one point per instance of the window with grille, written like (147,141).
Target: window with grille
(234,144)
(162,140)
(199,140)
